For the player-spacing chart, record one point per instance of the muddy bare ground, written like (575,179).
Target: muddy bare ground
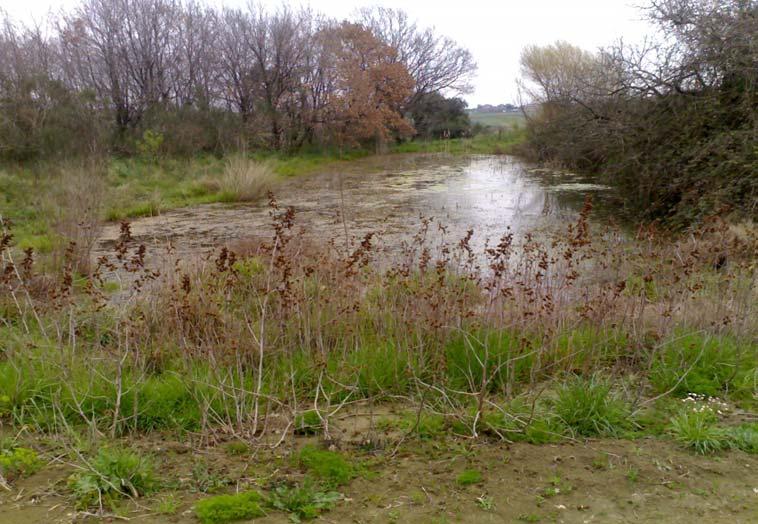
(599,481)
(383,195)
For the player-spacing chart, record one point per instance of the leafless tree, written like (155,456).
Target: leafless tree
(279,45)
(195,73)
(437,63)
(236,74)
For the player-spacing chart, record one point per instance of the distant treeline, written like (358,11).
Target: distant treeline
(672,122)
(174,75)
(500,108)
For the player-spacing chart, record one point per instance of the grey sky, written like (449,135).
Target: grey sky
(494,31)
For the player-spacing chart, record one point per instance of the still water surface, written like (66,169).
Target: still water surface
(387,196)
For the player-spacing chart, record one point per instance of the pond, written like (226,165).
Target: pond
(389,196)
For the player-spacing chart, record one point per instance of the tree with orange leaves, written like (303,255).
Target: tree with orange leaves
(370,89)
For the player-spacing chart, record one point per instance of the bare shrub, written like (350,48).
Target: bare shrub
(79,197)
(245,180)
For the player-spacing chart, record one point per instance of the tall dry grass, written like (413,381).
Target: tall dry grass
(245,180)
(78,194)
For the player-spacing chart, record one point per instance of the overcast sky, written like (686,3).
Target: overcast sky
(494,30)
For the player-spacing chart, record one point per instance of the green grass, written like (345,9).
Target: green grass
(697,431)
(497,143)
(519,421)
(469,478)
(168,504)
(426,426)
(486,357)
(166,401)
(588,347)
(744,437)
(330,467)
(704,364)
(33,392)
(230,508)
(380,368)
(590,408)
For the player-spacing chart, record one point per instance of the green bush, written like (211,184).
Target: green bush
(229,508)
(589,407)
(150,144)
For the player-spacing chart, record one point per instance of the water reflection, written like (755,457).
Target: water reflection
(488,194)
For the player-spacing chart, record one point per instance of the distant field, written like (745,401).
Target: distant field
(497,119)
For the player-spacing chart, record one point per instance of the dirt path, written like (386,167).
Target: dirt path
(611,481)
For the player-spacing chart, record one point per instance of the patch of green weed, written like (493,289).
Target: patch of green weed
(307,423)
(112,474)
(425,426)
(329,466)
(167,505)
(18,462)
(229,508)
(303,502)
(237,448)
(205,480)
(521,422)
